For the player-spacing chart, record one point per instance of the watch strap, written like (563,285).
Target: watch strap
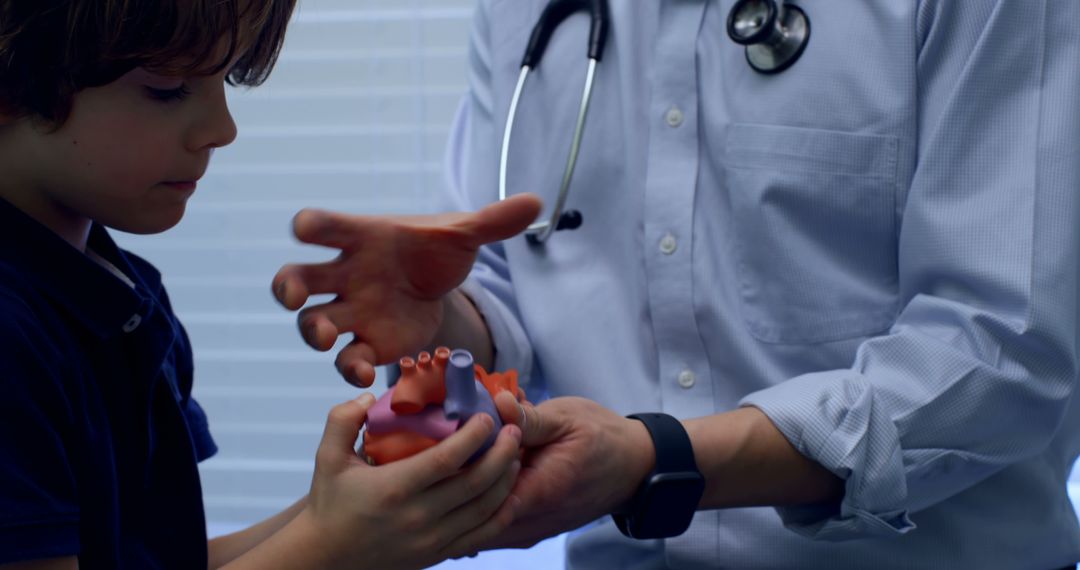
(665,503)
(674,452)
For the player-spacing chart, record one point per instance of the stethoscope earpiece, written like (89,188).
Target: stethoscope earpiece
(775,33)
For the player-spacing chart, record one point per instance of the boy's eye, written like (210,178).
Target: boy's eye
(167,95)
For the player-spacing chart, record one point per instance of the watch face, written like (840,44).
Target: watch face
(680,490)
(668,504)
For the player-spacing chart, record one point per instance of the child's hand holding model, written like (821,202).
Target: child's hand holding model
(408,514)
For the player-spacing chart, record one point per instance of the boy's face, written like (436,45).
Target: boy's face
(131,152)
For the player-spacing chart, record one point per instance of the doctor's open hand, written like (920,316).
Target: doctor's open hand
(393,279)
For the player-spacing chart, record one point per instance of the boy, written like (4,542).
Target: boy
(109,112)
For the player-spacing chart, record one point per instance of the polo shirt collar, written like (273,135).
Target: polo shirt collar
(90,293)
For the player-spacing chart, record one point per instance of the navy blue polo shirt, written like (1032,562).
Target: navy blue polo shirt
(99,435)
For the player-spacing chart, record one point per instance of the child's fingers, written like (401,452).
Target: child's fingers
(478,510)
(479,478)
(355,363)
(342,429)
(443,460)
(484,535)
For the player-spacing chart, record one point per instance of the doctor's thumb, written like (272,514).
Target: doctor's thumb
(535,430)
(503,219)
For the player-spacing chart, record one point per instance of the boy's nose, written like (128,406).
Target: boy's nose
(215,127)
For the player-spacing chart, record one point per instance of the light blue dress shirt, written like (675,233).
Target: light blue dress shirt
(878,247)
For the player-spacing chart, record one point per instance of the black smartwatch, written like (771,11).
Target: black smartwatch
(666,502)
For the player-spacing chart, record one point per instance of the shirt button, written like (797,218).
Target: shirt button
(687,379)
(668,244)
(674,117)
(133,323)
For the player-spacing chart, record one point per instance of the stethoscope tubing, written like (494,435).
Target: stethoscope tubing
(553,15)
(539,232)
(774,39)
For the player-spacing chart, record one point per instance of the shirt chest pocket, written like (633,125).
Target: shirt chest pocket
(815,231)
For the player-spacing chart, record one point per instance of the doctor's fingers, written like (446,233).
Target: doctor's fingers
(334,229)
(295,282)
(356,363)
(320,325)
(536,429)
(503,219)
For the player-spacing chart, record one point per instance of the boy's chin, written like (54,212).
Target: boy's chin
(147,223)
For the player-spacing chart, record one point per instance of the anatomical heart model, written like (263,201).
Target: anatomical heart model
(435,395)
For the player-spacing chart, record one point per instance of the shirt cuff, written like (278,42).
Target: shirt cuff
(513,351)
(835,419)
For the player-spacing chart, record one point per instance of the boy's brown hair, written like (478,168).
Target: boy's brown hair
(52,49)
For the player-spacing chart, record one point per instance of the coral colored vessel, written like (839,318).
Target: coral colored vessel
(435,395)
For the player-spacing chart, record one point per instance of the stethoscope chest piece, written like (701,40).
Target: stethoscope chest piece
(775,33)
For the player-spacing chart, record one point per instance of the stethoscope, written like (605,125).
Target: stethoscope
(774,32)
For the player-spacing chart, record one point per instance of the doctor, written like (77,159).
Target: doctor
(841,297)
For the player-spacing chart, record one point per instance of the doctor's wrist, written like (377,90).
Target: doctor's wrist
(464,327)
(642,459)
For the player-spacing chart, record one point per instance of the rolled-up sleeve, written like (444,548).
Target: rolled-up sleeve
(471,175)
(978,369)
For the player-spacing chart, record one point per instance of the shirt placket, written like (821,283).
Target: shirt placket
(685,379)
